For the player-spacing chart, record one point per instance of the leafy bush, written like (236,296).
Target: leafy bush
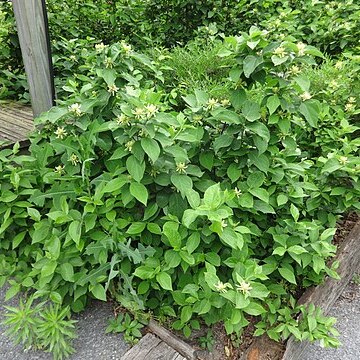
(214,210)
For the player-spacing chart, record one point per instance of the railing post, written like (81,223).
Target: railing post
(32,27)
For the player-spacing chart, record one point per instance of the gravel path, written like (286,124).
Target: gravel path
(92,342)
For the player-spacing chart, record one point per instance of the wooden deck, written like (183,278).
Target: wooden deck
(16,122)
(150,347)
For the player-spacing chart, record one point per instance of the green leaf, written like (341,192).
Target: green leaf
(261,161)
(154,228)
(170,230)
(182,182)
(250,63)
(136,228)
(310,109)
(251,110)
(75,231)
(260,129)
(66,270)
(193,242)
(287,274)
(222,141)
(144,272)
(213,196)
(254,309)
(207,160)
(272,103)
(186,313)
(331,165)
(294,212)
(246,201)
(164,280)
(260,193)
(139,192)
(34,214)
(255,179)
(99,292)
(114,185)
(189,217)
(233,172)
(151,148)
(281,199)
(135,168)
(232,238)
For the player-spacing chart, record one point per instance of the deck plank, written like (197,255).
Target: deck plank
(150,347)
(16,122)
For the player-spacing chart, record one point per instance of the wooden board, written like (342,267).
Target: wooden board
(151,347)
(323,295)
(31,24)
(16,122)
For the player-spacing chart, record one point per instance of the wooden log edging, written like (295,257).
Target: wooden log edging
(323,295)
(173,341)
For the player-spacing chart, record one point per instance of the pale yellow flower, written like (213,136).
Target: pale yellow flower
(223,224)
(151,110)
(305,96)
(60,133)
(181,168)
(244,287)
(100,47)
(74,159)
(295,70)
(301,48)
(59,169)
(343,160)
(339,65)
(221,287)
(212,104)
(126,47)
(75,108)
(280,52)
(349,107)
(109,63)
(139,113)
(225,102)
(237,192)
(113,89)
(129,145)
(122,120)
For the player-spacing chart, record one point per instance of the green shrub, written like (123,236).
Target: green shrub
(215,211)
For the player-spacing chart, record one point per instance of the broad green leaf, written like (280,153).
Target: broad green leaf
(261,161)
(66,270)
(254,309)
(135,168)
(170,230)
(232,238)
(251,110)
(222,141)
(294,212)
(260,129)
(272,103)
(233,172)
(255,179)
(207,160)
(164,280)
(75,231)
(193,242)
(182,182)
(189,217)
(213,196)
(114,185)
(186,313)
(281,199)
(151,148)
(331,165)
(136,228)
(139,192)
(250,63)
(260,193)
(287,275)
(99,292)
(310,109)
(246,200)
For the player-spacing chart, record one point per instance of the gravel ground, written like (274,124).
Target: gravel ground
(347,312)
(92,342)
